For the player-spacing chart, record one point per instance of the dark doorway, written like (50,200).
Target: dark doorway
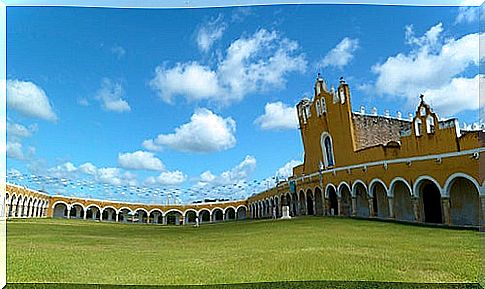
(333,202)
(431,203)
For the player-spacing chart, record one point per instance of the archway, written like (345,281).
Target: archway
(332,204)
(362,200)
(141,216)
(156,216)
(319,209)
(345,200)
(217,215)
(13,206)
(109,214)
(241,213)
(125,215)
(93,212)
(464,202)
(380,201)
(277,203)
(430,201)
(230,214)
(294,204)
(309,203)
(60,210)
(174,218)
(403,204)
(190,216)
(77,212)
(204,216)
(19,207)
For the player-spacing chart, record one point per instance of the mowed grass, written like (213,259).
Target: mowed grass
(310,248)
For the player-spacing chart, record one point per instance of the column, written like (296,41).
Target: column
(155,217)
(445,205)
(210,217)
(354,206)
(370,201)
(110,215)
(391,207)
(68,213)
(78,214)
(117,217)
(164,220)
(94,214)
(339,207)
(85,214)
(417,215)
(482,211)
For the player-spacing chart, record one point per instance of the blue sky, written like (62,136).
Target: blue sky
(204,98)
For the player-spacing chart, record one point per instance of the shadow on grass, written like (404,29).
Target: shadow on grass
(261,285)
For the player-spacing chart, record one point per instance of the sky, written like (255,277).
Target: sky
(135,104)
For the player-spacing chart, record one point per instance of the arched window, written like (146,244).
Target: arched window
(327,150)
(417,126)
(317,106)
(323,106)
(430,128)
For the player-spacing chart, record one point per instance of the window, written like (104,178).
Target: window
(317,106)
(423,111)
(417,127)
(308,111)
(323,106)
(318,88)
(430,128)
(342,96)
(327,150)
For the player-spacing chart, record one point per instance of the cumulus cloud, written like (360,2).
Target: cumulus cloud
(341,54)
(140,160)
(277,116)
(29,99)
(14,150)
(17,130)
(253,63)
(167,178)
(431,66)
(287,170)
(469,12)
(235,175)
(210,32)
(118,51)
(110,96)
(206,132)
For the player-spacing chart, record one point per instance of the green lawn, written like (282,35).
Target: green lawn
(312,248)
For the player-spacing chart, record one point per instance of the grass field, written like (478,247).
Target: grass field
(311,248)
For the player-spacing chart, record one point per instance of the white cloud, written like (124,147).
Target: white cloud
(167,178)
(14,150)
(287,170)
(210,32)
(140,160)
(341,54)
(115,177)
(206,132)
(18,130)
(88,169)
(195,81)
(255,63)
(83,101)
(459,95)
(469,12)
(277,116)
(118,51)
(110,96)
(63,170)
(237,174)
(29,100)
(432,65)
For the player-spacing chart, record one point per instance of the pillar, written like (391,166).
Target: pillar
(370,202)
(417,215)
(482,210)
(85,215)
(155,217)
(164,220)
(78,213)
(391,207)
(117,216)
(68,213)
(354,206)
(339,206)
(445,207)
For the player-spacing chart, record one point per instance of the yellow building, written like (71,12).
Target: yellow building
(420,169)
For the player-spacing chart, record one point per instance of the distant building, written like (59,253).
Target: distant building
(419,169)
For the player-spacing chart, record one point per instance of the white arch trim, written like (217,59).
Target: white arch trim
(354,186)
(228,207)
(241,206)
(125,208)
(373,183)
(419,181)
(327,187)
(109,207)
(204,209)
(78,204)
(390,192)
(61,202)
(340,187)
(191,210)
(216,208)
(142,209)
(93,205)
(449,183)
(155,210)
(174,210)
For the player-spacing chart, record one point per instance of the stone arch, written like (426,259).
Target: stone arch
(277,203)
(217,214)
(204,215)
(332,201)
(464,194)
(241,212)
(93,212)
(361,199)
(229,213)
(429,193)
(125,214)
(156,216)
(20,206)
(141,215)
(310,208)
(12,210)
(25,210)
(319,207)
(108,213)
(190,216)
(294,204)
(60,209)
(345,199)
(174,217)
(77,211)
(401,193)
(302,203)
(380,202)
